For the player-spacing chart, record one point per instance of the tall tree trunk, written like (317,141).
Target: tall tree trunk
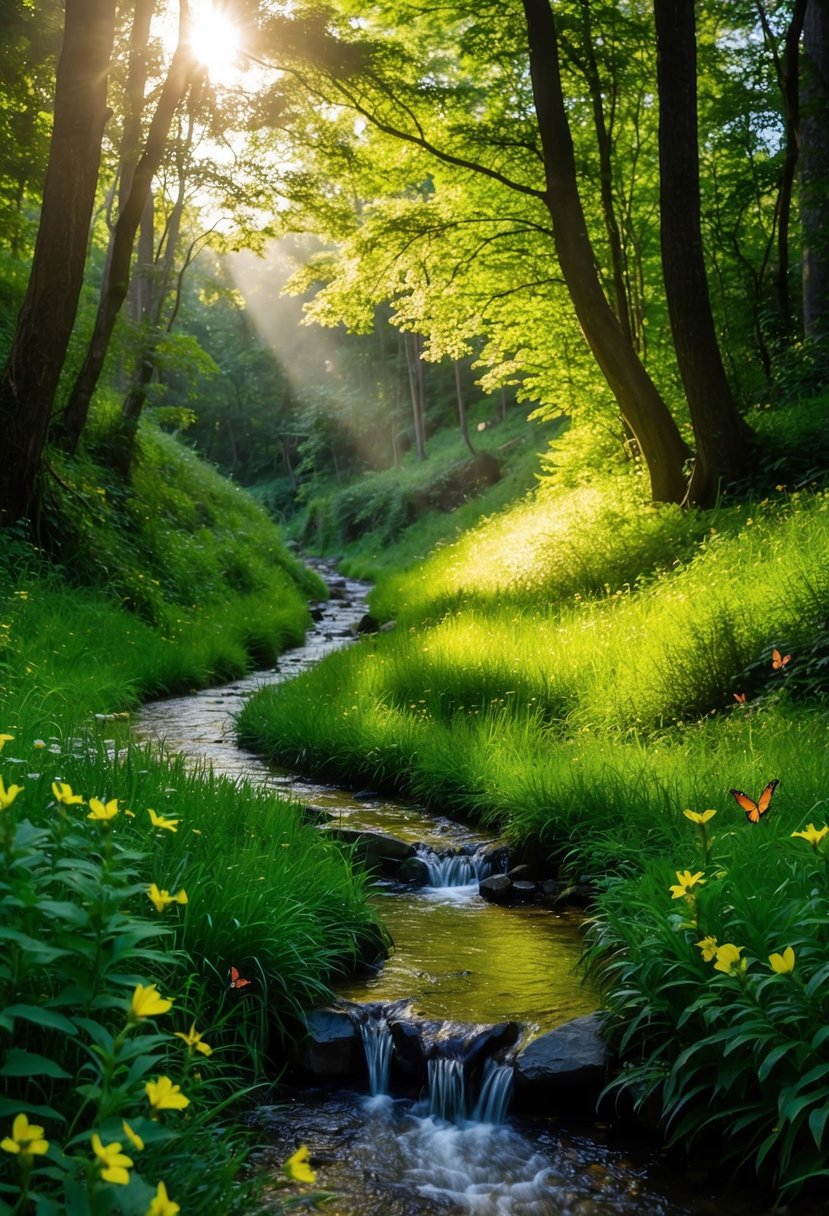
(723,438)
(640,404)
(462,422)
(117,275)
(411,347)
(814,174)
(604,141)
(30,378)
(787,67)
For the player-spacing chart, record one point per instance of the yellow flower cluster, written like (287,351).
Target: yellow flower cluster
(162,898)
(685,883)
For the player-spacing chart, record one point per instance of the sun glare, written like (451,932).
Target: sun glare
(215,41)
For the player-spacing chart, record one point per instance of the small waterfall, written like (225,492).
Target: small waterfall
(447,1088)
(453,869)
(496,1091)
(377,1042)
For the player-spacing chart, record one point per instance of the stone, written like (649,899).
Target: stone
(374,850)
(388,626)
(522,873)
(522,891)
(571,1061)
(495,889)
(367,624)
(414,871)
(417,1040)
(332,1049)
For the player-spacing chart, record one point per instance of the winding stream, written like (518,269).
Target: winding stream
(458,958)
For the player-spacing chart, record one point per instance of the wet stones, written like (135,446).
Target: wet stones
(569,1063)
(376,851)
(331,1049)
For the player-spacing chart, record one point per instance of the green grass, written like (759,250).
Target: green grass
(172,581)
(566,670)
(169,583)
(390,517)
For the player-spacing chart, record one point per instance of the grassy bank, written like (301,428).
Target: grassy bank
(134,890)
(569,670)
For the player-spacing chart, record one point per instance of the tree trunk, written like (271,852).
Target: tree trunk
(640,404)
(410,345)
(604,142)
(30,378)
(723,438)
(461,406)
(117,275)
(814,173)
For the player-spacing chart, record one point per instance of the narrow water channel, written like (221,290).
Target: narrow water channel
(456,957)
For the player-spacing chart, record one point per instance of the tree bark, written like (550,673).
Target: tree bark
(30,378)
(462,421)
(640,403)
(814,173)
(117,275)
(723,438)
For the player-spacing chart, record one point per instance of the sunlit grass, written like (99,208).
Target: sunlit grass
(514,686)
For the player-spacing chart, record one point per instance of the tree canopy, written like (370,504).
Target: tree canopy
(614,212)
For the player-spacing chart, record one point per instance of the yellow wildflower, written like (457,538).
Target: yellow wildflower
(148,1002)
(812,834)
(297,1167)
(62,792)
(699,816)
(164,1095)
(728,959)
(26,1138)
(114,1163)
(158,821)
(685,882)
(4,739)
(194,1039)
(162,1205)
(102,811)
(7,796)
(133,1137)
(708,946)
(161,898)
(782,963)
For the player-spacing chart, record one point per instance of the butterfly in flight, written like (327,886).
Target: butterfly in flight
(235,980)
(755,810)
(739,697)
(779,660)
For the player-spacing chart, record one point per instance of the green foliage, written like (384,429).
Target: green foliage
(179,578)
(418,502)
(85,960)
(566,670)
(693,1021)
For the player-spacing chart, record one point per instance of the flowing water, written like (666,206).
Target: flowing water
(457,957)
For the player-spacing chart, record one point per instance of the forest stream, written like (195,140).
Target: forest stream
(455,957)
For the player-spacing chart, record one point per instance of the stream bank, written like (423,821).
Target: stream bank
(456,957)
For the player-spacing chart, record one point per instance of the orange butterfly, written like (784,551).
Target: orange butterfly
(779,660)
(754,810)
(235,981)
(739,697)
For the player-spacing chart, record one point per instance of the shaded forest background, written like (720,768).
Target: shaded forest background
(612,214)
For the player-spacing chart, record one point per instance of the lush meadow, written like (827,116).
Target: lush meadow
(580,670)
(162,929)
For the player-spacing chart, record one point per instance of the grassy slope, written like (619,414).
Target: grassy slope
(567,669)
(173,582)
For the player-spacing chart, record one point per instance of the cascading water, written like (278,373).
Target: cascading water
(496,1091)
(377,1042)
(447,1088)
(454,869)
(383,1157)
